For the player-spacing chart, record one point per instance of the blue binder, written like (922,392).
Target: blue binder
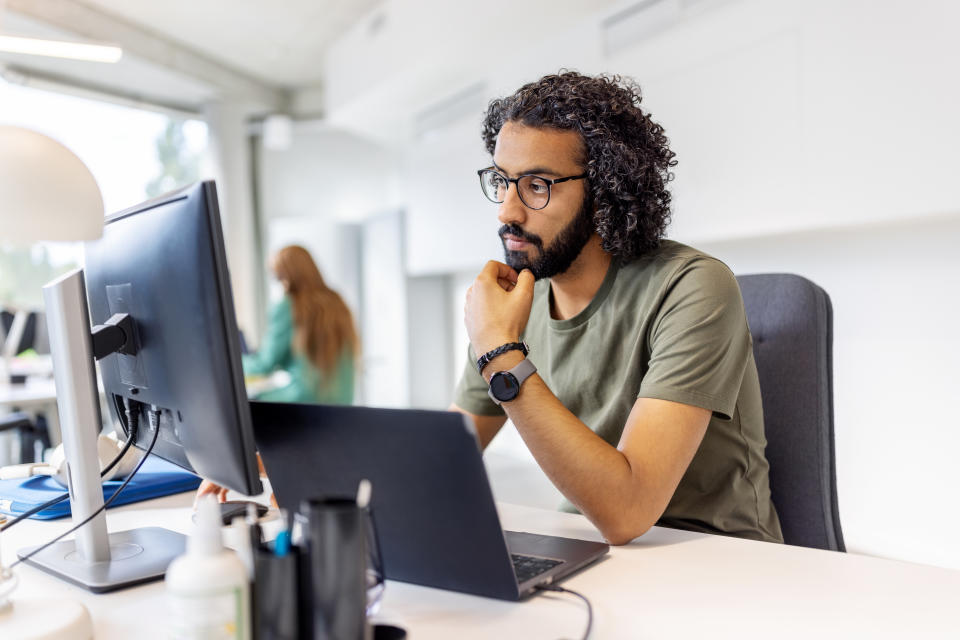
(156,478)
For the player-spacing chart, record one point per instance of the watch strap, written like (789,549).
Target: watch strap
(524,369)
(485,359)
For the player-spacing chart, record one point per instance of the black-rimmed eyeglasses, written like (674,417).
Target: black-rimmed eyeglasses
(534,191)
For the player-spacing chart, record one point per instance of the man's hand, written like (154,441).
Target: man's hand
(209,487)
(498,306)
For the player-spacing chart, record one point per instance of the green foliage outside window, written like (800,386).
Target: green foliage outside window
(178,166)
(24,270)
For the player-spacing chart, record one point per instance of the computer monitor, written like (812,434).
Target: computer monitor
(163,265)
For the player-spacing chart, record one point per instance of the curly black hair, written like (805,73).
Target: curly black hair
(627,155)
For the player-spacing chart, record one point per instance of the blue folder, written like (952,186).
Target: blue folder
(156,478)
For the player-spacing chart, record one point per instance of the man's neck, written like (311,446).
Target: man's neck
(576,287)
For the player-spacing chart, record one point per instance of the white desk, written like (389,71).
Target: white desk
(35,393)
(666,584)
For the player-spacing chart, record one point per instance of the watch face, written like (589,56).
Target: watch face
(504,386)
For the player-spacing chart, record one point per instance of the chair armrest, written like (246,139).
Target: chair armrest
(17,421)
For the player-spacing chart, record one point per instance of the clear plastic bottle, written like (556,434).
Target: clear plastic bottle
(208,595)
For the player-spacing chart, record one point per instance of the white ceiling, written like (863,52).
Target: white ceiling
(282,44)
(183,53)
(137,80)
(369,65)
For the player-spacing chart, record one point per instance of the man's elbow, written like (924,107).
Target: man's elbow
(622,530)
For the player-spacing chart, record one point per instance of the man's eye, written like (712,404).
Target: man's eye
(538,186)
(497,181)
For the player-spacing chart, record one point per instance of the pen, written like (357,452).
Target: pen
(281,544)
(253,526)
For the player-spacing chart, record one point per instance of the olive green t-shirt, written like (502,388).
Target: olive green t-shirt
(670,325)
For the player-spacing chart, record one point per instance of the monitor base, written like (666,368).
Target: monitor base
(136,556)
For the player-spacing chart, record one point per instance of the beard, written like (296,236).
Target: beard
(561,253)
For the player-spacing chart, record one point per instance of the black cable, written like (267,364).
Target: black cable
(132,410)
(155,425)
(132,420)
(553,587)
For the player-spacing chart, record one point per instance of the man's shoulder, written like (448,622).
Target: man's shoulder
(674,260)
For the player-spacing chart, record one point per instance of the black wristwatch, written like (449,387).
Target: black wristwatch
(505,385)
(485,359)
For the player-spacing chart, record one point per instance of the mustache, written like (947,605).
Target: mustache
(515,230)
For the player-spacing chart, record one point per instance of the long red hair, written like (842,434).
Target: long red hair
(323,324)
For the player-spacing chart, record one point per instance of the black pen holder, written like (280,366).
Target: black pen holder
(275,595)
(334,570)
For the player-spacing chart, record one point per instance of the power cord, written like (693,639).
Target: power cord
(132,419)
(553,587)
(154,414)
(131,410)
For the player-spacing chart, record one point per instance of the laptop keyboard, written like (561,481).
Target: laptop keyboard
(527,567)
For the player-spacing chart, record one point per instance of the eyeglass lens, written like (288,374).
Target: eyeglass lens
(534,191)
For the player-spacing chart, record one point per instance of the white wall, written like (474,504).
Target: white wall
(817,137)
(895,289)
(795,115)
(319,193)
(429,341)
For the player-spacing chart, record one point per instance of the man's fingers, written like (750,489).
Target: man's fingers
(506,284)
(525,281)
(498,270)
(205,488)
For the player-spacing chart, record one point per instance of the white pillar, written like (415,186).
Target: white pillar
(230,153)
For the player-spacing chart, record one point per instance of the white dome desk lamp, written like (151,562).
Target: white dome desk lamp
(47,193)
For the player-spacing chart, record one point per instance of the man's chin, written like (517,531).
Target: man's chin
(517,260)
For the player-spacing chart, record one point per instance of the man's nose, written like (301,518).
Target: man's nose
(512,210)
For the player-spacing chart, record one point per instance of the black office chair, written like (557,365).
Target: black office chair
(33,433)
(791,320)
(34,328)
(6,323)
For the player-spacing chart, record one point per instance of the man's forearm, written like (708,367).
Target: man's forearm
(596,477)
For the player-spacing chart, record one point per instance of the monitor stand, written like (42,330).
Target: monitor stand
(94,559)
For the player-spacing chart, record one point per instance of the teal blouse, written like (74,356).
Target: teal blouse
(307,383)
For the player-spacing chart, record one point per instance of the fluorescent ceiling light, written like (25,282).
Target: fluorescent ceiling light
(61,49)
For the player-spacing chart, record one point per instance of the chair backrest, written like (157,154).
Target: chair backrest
(41,339)
(791,320)
(6,321)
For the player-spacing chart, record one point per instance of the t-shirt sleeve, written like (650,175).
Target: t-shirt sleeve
(471,393)
(700,341)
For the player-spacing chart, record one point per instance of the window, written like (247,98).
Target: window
(133,153)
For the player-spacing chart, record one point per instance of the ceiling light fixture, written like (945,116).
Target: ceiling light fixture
(61,49)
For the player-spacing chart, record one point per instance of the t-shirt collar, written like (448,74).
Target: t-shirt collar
(602,293)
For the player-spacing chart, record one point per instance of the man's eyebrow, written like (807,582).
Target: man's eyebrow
(540,171)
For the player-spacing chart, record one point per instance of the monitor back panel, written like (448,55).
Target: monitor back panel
(434,512)
(162,262)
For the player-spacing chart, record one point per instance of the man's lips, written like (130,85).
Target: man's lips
(514,243)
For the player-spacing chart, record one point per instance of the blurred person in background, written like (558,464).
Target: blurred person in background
(310,335)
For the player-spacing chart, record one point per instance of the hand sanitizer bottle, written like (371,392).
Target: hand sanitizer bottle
(208,594)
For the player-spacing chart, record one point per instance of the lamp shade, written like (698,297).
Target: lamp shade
(46,192)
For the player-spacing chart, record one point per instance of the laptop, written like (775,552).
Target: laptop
(435,516)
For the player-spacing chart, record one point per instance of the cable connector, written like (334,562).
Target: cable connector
(131,409)
(155,414)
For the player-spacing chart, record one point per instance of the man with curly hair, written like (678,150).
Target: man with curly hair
(643,405)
